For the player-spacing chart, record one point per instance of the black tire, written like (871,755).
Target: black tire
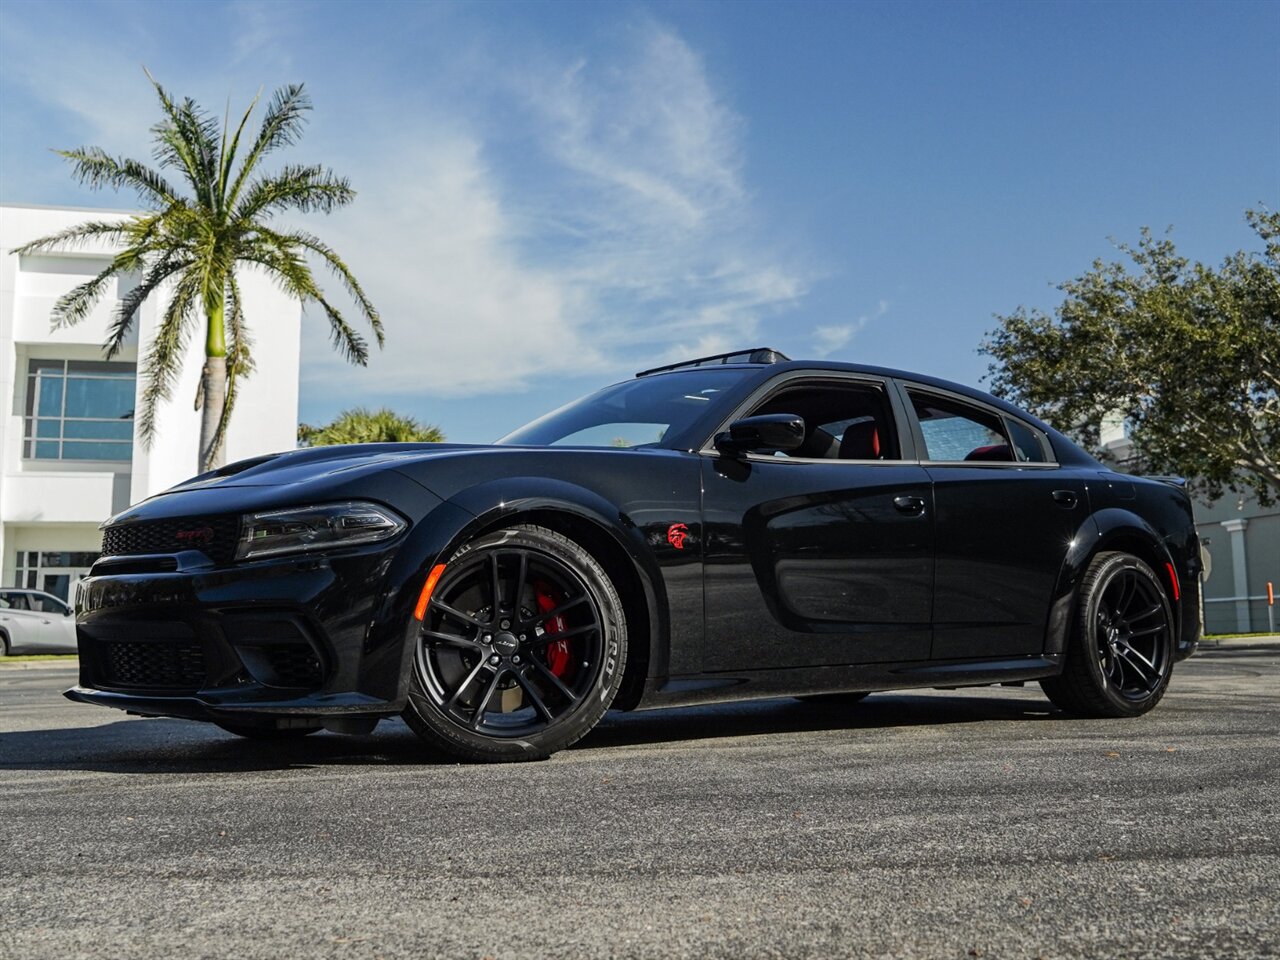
(4,644)
(836,699)
(250,732)
(557,667)
(1119,655)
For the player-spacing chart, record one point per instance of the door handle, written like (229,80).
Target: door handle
(1065,498)
(46,621)
(912,506)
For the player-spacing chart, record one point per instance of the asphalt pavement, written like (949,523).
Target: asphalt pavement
(940,824)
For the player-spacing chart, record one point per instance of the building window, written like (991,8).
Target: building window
(79,410)
(52,571)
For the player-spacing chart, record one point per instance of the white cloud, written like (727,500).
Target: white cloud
(521,214)
(829,338)
(430,240)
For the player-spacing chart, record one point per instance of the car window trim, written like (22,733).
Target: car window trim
(908,387)
(907,443)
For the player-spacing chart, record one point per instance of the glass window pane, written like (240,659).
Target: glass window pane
(99,429)
(46,450)
(1027,442)
(957,432)
(49,396)
(48,428)
(84,450)
(111,399)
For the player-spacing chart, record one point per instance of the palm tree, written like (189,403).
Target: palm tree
(196,241)
(359,425)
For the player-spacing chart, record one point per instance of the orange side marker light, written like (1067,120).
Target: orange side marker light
(1173,579)
(428,588)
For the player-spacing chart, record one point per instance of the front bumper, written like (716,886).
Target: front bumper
(303,637)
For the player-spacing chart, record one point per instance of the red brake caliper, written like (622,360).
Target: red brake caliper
(558,655)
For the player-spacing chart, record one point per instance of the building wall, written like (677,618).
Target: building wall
(1237,528)
(54,506)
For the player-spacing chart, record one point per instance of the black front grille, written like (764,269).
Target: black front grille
(215,536)
(170,666)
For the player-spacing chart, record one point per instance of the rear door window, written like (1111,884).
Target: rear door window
(957,432)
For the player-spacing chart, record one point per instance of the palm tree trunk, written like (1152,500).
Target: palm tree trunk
(213,383)
(214,389)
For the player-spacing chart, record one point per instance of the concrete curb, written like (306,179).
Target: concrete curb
(1262,639)
(6,664)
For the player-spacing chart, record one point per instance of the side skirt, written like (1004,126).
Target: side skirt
(803,681)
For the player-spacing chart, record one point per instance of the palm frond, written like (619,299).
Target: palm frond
(227,155)
(292,274)
(76,236)
(76,304)
(303,188)
(186,139)
(163,360)
(336,265)
(281,126)
(95,168)
(122,321)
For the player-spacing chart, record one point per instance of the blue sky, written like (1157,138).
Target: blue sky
(552,196)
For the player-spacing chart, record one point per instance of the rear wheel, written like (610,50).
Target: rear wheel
(521,649)
(1120,654)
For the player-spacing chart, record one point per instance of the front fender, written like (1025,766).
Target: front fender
(494,503)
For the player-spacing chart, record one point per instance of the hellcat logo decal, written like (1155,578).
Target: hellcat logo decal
(201,535)
(677,533)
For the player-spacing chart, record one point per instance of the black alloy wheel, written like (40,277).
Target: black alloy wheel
(1120,655)
(521,649)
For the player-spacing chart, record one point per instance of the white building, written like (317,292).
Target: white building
(70,455)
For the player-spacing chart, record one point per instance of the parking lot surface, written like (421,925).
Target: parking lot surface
(936,824)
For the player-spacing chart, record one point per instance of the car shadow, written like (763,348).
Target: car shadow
(160,746)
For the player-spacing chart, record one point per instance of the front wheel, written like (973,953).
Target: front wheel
(1120,653)
(521,649)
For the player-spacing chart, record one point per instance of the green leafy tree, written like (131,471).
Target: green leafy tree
(360,425)
(1188,354)
(195,240)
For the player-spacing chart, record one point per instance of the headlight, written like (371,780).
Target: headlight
(321,527)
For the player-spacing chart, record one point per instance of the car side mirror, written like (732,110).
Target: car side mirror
(766,433)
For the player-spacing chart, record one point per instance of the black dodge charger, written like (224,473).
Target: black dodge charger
(732,527)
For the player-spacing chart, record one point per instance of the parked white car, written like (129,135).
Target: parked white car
(32,621)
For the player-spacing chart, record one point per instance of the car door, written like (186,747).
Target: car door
(1005,517)
(57,624)
(19,621)
(825,556)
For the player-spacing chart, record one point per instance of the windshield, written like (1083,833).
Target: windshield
(634,413)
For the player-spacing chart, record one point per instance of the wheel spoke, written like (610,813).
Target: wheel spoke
(1147,632)
(558,611)
(521,576)
(1153,609)
(555,681)
(483,705)
(1146,672)
(452,638)
(496,586)
(456,613)
(527,686)
(457,694)
(1128,587)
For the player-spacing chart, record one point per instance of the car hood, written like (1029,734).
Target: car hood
(340,463)
(357,472)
